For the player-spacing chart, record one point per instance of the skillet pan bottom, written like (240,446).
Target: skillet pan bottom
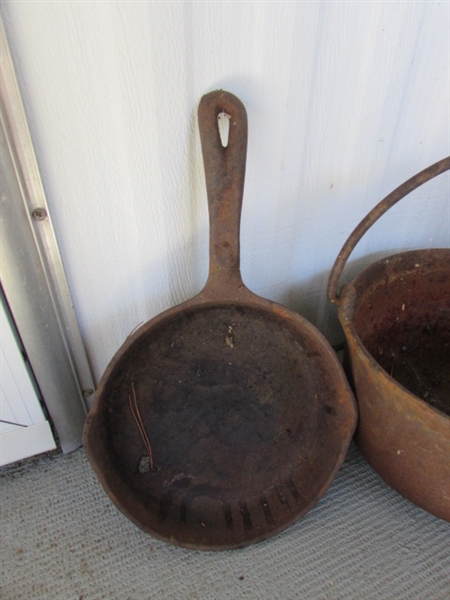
(244,417)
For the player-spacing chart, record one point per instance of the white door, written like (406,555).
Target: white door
(24,429)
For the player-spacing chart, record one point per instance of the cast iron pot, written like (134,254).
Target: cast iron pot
(396,319)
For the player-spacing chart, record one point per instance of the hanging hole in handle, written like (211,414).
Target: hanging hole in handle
(223,122)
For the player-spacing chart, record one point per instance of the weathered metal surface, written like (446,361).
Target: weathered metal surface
(223,420)
(396,319)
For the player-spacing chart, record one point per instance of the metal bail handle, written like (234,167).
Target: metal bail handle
(373,216)
(225,175)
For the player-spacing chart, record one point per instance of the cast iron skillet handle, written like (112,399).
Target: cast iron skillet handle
(373,216)
(224,174)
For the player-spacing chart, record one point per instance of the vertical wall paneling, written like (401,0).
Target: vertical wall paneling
(345,100)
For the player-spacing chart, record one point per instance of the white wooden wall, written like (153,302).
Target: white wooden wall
(345,101)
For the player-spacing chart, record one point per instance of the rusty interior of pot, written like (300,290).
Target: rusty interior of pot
(402,316)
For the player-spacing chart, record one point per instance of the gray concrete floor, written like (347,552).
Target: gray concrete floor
(61,538)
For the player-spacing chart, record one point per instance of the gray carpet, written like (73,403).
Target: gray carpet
(61,538)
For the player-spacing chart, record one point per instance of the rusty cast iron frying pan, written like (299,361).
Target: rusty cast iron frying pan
(223,420)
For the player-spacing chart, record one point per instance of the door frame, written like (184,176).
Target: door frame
(32,274)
